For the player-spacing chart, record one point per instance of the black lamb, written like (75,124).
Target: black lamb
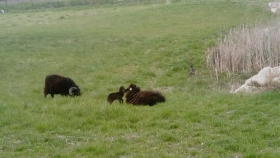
(116,95)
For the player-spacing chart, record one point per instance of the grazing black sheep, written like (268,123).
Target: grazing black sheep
(116,95)
(135,96)
(56,84)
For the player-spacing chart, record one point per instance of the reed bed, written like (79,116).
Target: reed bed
(246,49)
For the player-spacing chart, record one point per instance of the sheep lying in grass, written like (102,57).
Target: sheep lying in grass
(135,96)
(116,95)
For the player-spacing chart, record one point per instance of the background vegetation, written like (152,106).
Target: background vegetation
(23,5)
(28,5)
(246,49)
(104,48)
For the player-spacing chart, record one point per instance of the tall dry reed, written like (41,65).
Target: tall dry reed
(246,49)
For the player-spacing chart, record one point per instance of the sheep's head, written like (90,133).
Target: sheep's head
(75,91)
(122,89)
(132,87)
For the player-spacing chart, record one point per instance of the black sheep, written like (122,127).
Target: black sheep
(116,95)
(56,84)
(135,96)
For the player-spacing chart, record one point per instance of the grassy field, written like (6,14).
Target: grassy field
(104,48)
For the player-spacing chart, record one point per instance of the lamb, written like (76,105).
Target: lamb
(135,96)
(116,95)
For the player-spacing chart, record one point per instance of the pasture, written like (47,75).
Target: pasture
(152,46)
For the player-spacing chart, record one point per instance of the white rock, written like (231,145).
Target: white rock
(260,78)
(276,80)
(264,78)
(246,88)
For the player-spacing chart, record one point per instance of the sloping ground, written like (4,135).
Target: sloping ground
(104,48)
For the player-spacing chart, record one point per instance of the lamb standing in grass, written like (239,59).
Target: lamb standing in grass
(116,95)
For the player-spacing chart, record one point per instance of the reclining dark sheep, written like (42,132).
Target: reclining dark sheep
(135,96)
(56,84)
(116,95)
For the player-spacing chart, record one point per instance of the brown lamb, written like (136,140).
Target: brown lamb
(116,95)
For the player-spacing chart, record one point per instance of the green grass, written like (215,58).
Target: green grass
(104,48)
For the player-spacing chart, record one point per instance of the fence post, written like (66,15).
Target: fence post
(32,3)
(168,1)
(6,5)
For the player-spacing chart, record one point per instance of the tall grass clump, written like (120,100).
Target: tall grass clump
(246,49)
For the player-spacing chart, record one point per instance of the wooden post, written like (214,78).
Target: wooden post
(168,1)
(6,2)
